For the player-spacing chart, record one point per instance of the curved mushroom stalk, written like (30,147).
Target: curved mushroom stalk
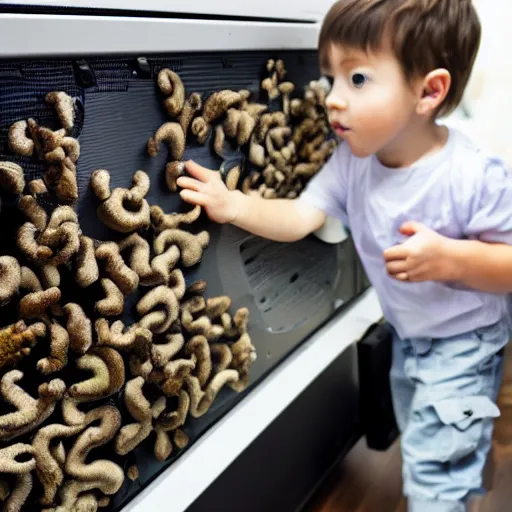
(162,221)
(108,370)
(64,107)
(170,422)
(123,276)
(22,470)
(124,210)
(158,321)
(131,435)
(191,246)
(172,134)
(30,412)
(12,178)
(59,346)
(102,475)
(87,271)
(134,339)
(171,86)
(48,468)
(201,401)
(214,107)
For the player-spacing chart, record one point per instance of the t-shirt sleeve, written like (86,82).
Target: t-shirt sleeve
(327,190)
(490,211)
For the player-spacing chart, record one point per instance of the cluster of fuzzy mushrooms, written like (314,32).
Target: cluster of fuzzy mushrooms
(170,364)
(184,347)
(285,148)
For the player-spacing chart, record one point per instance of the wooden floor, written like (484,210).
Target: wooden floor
(368,481)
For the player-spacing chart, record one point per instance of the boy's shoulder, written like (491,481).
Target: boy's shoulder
(469,163)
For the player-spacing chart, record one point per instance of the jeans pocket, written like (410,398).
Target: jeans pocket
(462,422)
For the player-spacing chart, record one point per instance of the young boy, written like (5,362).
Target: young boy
(420,201)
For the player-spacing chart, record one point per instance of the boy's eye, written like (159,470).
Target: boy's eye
(358,79)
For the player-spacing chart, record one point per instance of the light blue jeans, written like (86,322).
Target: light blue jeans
(444,397)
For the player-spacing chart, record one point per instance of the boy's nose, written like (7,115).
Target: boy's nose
(335,102)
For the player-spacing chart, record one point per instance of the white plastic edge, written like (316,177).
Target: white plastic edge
(284,9)
(192,474)
(33,35)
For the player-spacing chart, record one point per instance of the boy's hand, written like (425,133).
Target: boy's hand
(425,256)
(206,189)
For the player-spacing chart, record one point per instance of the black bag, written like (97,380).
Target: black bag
(374,361)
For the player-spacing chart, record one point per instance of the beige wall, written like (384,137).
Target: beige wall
(489,93)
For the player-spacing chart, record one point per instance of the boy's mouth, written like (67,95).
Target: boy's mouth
(339,128)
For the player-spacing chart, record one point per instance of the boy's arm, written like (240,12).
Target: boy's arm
(428,256)
(281,220)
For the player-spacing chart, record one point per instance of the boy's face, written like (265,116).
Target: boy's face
(370,104)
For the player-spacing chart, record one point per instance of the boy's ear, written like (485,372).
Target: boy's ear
(435,89)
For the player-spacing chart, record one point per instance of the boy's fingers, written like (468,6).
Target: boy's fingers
(396,267)
(192,197)
(397,252)
(197,171)
(189,183)
(403,276)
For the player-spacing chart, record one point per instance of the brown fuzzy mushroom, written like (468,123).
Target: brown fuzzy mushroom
(124,210)
(107,365)
(244,354)
(191,246)
(196,288)
(101,474)
(17,340)
(161,220)
(233,178)
(37,187)
(161,354)
(64,240)
(19,143)
(134,339)
(201,401)
(164,263)
(87,271)
(158,321)
(123,276)
(217,306)
(38,301)
(193,105)
(133,473)
(113,303)
(30,412)
(168,422)
(214,107)
(220,138)
(50,470)
(12,179)
(256,153)
(10,278)
(27,242)
(79,328)
(173,170)
(286,89)
(59,346)
(139,260)
(240,125)
(22,470)
(64,107)
(199,348)
(131,435)
(34,212)
(171,85)
(172,134)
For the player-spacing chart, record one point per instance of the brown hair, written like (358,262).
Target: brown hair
(424,35)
